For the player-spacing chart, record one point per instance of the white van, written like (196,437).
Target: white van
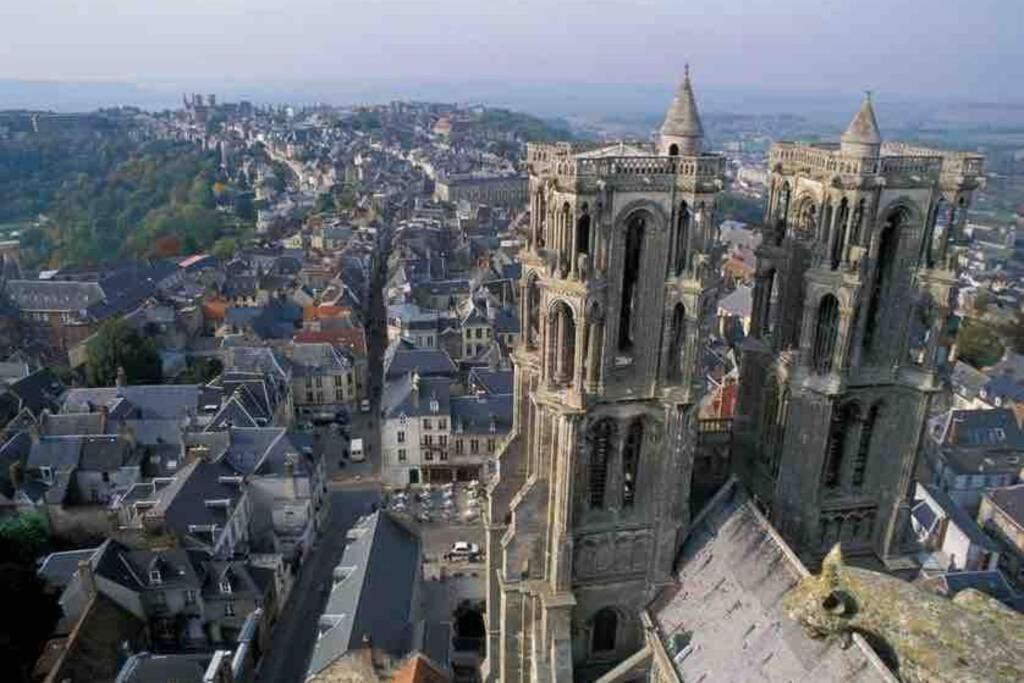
(356,452)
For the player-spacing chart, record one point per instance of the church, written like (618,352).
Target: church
(595,569)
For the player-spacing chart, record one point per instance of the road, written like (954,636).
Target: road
(295,632)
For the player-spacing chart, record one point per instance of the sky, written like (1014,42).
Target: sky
(959,48)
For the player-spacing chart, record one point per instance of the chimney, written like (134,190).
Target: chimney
(104,416)
(291,486)
(367,652)
(86,576)
(122,376)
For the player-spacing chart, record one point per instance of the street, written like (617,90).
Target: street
(294,633)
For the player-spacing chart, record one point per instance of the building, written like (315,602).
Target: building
(496,190)
(1002,516)
(323,380)
(590,500)
(850,334)
(967,452)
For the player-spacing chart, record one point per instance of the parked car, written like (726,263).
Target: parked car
(461,550)
(364,405)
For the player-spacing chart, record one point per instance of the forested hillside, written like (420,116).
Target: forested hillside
(84,189)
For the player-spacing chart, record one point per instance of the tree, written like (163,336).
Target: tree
(978,344)
(325,203)
(116,345)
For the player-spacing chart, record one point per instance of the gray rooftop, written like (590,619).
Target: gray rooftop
(723,620)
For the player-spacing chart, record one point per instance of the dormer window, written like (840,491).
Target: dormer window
(155,578)
(434,405)
(225,585)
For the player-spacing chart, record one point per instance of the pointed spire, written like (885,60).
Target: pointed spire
(863,129)
(683,119)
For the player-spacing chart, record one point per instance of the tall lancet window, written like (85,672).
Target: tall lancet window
(630,282)
(601,436)
(825,332)
(631,462)
(682,239)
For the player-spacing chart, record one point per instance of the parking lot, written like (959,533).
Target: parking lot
(447,504)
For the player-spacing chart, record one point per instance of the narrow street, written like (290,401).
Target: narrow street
(295,632)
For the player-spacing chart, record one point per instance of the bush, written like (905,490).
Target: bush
(978,344)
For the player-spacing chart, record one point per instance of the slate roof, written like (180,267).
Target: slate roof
(40,390)
(478,414)
(54,295)
(401,360)
(374,586)
(967,380)
(15,449)
(990,582)
(493,382)
(959,517)
(723,619)
(402,397)
(184,502)
(167,401)
(1010,499)
(57,569)
(147,667)
(317,359)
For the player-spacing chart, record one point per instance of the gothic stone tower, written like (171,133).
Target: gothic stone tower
(855,291)
(590,501)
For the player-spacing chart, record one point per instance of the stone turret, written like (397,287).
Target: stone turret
(682,133)
(862,138)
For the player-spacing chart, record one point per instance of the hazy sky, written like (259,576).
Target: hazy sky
(952,47)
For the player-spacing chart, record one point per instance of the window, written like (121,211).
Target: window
(600,437)
(583,232)
(225,586)
(606,623)
(426,424)
(630,279)
(428,456)
(459,446)
(154,577)
(401,455)
(443,439)
(46,472)
(825,333)
(190,597)
(888,244)
(490,445)
(444,455)
(561,344)
(229,608)
(401,437)
(319,382)
(860,463)
(677,344)
(532,312)
(631,461)
(474,446)
(682,239)
(442,424)
(428,440)
(479,333)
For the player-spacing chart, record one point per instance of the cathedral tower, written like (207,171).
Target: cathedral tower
(852,327)
(590,502)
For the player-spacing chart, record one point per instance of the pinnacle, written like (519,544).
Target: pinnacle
(864,127)
(683,119)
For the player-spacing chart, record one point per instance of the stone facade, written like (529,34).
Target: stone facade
(851,331)
(481,189)
(589,505)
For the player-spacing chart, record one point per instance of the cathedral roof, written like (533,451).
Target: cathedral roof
(724,618)
(683,119)
(864,127)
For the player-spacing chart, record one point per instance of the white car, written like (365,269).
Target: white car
(461,550)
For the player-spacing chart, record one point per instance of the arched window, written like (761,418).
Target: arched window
(682,238)
(630,281)
(673,150)
(782,213)
(601,436)
(541,223)
(767,297)
(826,220)
(769,419)
(807,218)
(562,344)
(583,232)
(938,232)
(631,461)
(779,436)
(825,331)
(888,243)
(839,243)
(860,463)
(606,623)
(839,428)
(676,344)
(858,223)
(564,234)
(532,312)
